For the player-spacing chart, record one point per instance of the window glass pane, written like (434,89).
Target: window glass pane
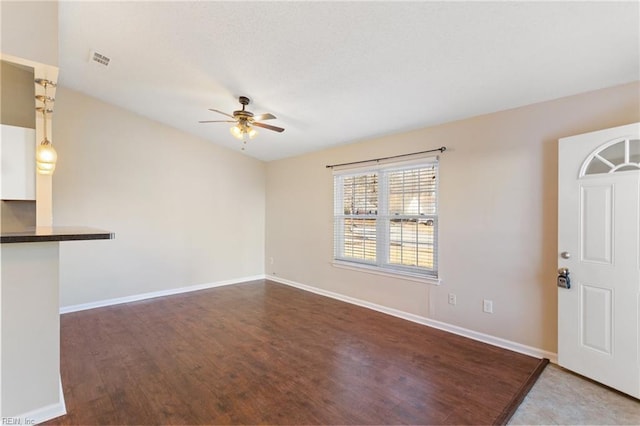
(425,243)
(428,191)
(614,153)
(399,245)
(411,242)
(396,198)
(597,166)
(634,151)
(360,239)
(360,194)
(628,168)
(425,256)
(412,192)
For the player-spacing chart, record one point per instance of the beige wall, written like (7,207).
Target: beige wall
(17,108)
(184,211)
(498,202)
(29,30)
(17,92)
(17,215)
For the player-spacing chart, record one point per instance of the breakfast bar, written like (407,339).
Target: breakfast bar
(54,233)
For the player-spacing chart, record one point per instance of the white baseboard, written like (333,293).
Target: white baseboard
(40,415)
(485,338)
(161,293)
(482,337)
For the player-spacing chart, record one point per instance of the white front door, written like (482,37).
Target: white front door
(599,245)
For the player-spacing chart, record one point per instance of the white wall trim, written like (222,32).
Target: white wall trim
(161,293)
(40,415)
(482,337)
(461,331)
(376,270)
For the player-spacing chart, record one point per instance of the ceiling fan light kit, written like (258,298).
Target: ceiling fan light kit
(245,121)
(241,129)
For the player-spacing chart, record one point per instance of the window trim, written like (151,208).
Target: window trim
(382,267)
(376,270)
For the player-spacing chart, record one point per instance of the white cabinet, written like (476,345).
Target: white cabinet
(17,163)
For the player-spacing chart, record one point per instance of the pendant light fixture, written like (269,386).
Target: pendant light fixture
(46,155)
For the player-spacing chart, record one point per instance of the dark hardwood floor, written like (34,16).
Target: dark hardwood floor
(265,353)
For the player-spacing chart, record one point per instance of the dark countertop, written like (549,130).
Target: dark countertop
(55,233)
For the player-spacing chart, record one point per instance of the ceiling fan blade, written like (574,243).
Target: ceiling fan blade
(267,126)
(217,121)
(220,112)
(263,117)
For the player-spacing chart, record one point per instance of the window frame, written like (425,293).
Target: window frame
(382,266)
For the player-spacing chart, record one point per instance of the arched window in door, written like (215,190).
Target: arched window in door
(618,155)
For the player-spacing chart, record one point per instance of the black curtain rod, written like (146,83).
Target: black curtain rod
(441,149)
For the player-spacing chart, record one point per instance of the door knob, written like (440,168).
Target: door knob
(565,255)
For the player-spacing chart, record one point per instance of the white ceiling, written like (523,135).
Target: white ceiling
(339,72)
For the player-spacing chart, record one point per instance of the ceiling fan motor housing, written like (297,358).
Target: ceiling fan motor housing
(242,114)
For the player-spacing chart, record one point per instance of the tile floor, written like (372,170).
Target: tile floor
(560,397)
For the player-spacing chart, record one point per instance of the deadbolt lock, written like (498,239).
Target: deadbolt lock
(563,278)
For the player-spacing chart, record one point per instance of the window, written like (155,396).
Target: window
(386,218)
(618,155)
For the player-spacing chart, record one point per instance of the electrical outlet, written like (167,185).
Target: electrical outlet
(452,299)
(271,260)
(487,306)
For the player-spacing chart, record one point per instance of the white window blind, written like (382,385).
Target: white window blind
(387,217)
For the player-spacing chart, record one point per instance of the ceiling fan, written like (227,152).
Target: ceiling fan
(245,121)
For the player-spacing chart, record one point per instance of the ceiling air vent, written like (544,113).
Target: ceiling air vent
(100,58)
